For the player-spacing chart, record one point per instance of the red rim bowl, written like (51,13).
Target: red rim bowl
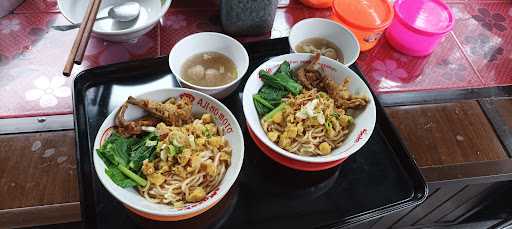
(288,162)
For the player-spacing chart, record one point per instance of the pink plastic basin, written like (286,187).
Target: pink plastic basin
(419,25)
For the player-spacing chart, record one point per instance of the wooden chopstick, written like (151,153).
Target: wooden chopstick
(68,67)
(87,34)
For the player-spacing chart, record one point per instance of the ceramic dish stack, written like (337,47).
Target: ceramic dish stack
(360,132)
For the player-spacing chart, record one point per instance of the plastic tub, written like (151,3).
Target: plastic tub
(367,19)
(318,4)
(419,25)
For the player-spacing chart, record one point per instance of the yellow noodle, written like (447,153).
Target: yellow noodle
(193,172)
(303,134)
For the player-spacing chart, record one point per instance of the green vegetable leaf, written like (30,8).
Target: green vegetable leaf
(328,124)
(281,81)
(119,178)
(139,180)
(173,150)
(142,151)
(115,150)
(119,153)
(261,105)
(275,87)
(263,102)
(271,114)
(272,95)
(261,109)
(284,67)
(206,132)
(350,120)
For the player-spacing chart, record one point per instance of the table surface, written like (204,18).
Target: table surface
(477,54)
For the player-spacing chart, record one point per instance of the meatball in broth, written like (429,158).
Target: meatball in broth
(322,46)
(209,69)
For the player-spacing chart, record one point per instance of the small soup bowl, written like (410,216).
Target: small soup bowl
(329,30)
(209,42)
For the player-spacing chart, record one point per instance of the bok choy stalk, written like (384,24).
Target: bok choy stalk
(281,81)
(275,87)
(124,156)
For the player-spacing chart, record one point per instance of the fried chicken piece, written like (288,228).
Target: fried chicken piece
(341,94)
(131,128)
(173,114)
(310,76)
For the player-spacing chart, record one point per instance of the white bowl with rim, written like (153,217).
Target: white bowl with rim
(329,30)
(364,119)
(209,42)
(108,29)
(131,198)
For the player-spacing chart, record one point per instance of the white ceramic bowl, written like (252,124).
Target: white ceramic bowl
(150,14)
(364,118)
(209,42)
(141,206)
(326,29)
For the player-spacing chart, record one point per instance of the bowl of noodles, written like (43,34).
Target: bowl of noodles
(308,112)
(169,154)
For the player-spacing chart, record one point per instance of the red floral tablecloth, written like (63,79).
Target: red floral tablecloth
(476,54)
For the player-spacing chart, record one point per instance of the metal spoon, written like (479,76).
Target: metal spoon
(122,12)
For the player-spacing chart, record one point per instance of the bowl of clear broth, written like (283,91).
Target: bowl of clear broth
(212,63)
(324,36)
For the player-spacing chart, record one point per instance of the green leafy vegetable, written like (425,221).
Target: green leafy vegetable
(206,132)
(328,124)
(173,150)
(271,114)
(115,150)
(281,81)
(285,69)
(275,87)
(140,181)
(262,106)
(263,102)
(350,120)
(272,95)
(119,178)
(122,154)
(142,150)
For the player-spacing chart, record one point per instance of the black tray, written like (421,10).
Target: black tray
(377,180)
